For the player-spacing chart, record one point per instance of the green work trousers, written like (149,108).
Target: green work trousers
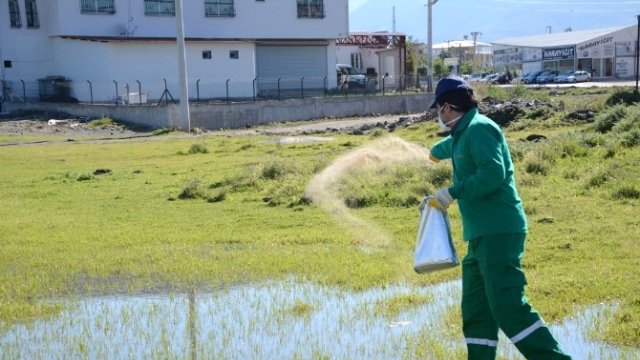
(493,298)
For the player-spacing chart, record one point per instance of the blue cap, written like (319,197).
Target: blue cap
(448,84)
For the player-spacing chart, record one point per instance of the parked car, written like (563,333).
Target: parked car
(487,79)
(563,76)
(546,76)
(531,77)
(350,78)
(519,79)
(579,76)
(476,77)
(501,78)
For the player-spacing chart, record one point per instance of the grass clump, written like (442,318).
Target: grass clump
(627,192)
(391,308)
(101,123)
(198,149)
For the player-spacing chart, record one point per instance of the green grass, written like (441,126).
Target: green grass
(162,221)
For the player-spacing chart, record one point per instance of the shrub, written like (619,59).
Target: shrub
(198,149)
(599,179)
(631,138)
(85,177)
(536,166)
(593,140)
(626,97)
(608,119)
(627,192)
(191,190)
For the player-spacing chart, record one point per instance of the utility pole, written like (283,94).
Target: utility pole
(475,35)
(430,4)
(182,66)
(637,53)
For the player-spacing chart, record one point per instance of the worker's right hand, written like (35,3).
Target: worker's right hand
(434,159)
(441,200)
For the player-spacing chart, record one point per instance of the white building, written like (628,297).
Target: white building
(479,53)
(606,53)
(101,48)
(375,54)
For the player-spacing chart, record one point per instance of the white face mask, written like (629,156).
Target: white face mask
(444,126)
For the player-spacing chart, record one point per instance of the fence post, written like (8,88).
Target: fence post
(126,89)
(254,88)
(90,91)
(115,82)
(198,90)
(24,91)
(326,90)
(302,87)
(227,87)
(279,88)
(139,92)
(383,79)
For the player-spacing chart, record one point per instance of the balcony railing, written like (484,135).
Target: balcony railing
(310,9)
(160,7)
(97,7)
(221,8)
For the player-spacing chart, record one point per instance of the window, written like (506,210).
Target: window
(206,54)
(32,14)
(14,13)
(8,64)
(223,8)
(160,7)
(97,7)
(234,54)
(310,9)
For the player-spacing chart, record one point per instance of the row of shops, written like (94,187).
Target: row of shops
(605,53)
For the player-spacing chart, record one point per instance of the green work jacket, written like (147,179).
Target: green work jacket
(483,181)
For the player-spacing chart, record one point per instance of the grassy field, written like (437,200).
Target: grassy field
(173,212)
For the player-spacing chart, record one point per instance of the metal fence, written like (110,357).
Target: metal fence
(159,91)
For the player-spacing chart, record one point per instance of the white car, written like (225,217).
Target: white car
(573,76)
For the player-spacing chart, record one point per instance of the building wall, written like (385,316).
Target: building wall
(152,62)
(55,48)
(252,20)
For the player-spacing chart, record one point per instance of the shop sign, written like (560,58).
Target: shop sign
(558,53)
(626,48)
(625,66)
(597,48)
(531,54)
(507,56)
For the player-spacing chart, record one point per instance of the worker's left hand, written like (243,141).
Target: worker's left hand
(441,200)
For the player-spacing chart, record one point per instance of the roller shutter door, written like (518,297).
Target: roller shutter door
(290,64)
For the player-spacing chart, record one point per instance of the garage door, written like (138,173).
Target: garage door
(295,66)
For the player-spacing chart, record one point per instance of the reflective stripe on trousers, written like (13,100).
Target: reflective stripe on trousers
(494,343)
(526,332)
(485,342)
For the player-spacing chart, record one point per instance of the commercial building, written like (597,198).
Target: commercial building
(101,49)
(606,53)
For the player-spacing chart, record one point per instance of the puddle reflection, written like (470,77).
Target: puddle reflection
(261,322)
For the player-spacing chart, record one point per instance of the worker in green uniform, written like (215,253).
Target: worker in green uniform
(494,227)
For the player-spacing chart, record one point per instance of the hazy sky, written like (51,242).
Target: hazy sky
(495,19)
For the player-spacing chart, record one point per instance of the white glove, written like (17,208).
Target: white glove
(441,200)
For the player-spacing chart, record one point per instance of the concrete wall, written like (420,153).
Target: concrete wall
(223,116)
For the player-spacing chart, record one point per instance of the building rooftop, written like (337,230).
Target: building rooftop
(458,43)
(557,39)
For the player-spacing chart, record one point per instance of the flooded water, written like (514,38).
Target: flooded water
(283,320)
